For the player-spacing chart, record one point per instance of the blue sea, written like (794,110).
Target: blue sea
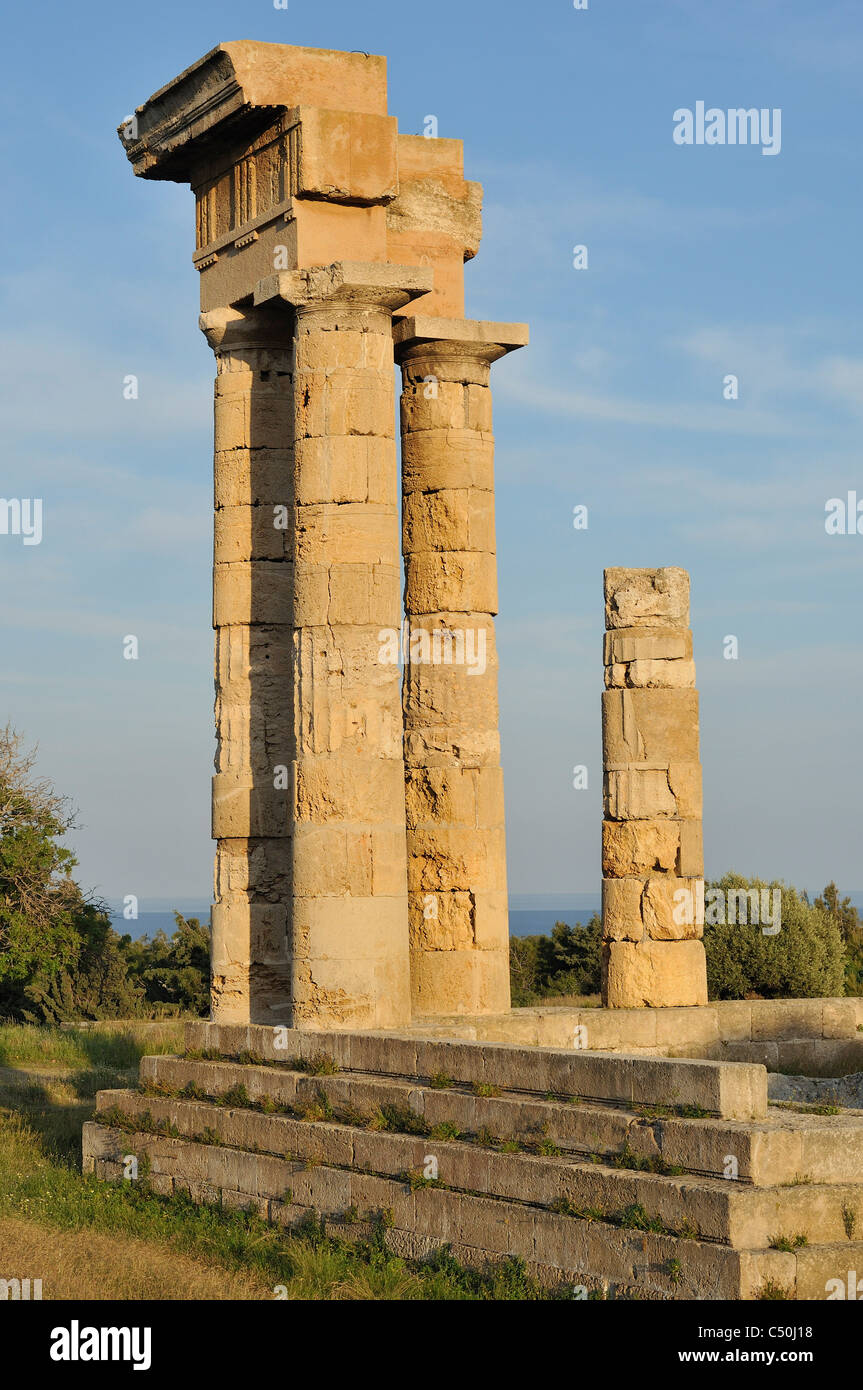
(530,914)
(534,914)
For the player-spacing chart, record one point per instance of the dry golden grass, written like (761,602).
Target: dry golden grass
(93,1240)
(566,1001)
(93,1265)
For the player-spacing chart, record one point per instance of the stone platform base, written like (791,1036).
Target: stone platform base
(815,1037)
(625,1175)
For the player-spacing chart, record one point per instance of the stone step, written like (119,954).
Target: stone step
(783,1148)
(556,1248)
(831,1271)
(732,1213)
(731,1090)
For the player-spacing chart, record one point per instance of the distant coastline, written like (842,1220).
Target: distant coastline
(530,914)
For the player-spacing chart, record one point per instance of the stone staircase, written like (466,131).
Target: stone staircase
(648,1177)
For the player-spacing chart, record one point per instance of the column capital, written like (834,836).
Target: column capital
(236,330)
(356,283)
(461,337)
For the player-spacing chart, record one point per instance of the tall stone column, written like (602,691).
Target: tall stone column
(459,932)
(252,594)
(652,857)
(349,929)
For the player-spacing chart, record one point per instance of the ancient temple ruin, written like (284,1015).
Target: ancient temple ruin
(360,863)
(362,1037)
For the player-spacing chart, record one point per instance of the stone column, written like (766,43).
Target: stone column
(252,588)
(349,930)
(652,858)
(459,930)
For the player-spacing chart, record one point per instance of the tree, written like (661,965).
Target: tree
(804,960)
(95,985)
(566,962)
(173,970)
(38,897)
(847,918)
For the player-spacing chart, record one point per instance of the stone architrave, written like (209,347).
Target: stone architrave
(652,856)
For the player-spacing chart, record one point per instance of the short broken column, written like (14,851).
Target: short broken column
(652,857)
(459,926)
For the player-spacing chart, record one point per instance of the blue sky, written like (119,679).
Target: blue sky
(703,261)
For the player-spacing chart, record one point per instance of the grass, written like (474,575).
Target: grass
(789,1243)
(631,1218)
(770,1291)
(89,1239)
(640,1163)
(86,1048)
(399,1119)
(128,1268)
(531,1000)
(671,1112)
(807,1108)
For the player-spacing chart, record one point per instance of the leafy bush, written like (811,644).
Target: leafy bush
(38,897)
(850,926)
(566,962)
(94,985)
(173,971)
(804,960)
(60,958)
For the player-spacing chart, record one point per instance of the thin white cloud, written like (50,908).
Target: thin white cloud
(669,415)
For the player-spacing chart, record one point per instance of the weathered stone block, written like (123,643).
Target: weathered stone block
(259,591)
(654,974)
(250,533)
(668,915)
(684,780)
(625,645)
(669,675)
(638,848)
(461,581)
(449,520)
(650,726)
(434,459)
(690,862)
(248,807)
(347,155)
(345,468)
(638,794)
(646,598)
(621,909)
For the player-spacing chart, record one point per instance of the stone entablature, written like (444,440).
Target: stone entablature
(294,162)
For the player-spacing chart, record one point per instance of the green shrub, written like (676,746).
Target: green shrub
(60,958)
(848,920)
(804,960)
(173,972)
(566,962)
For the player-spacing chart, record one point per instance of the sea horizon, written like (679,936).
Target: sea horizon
(530,914)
